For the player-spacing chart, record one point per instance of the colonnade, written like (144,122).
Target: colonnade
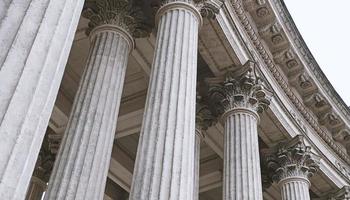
(167,162)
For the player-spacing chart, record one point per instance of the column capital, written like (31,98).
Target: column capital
(342,194)
(240,89)
(201,8)
(292,160)
(204,116)
(209,8)
(123,15)
(44,163)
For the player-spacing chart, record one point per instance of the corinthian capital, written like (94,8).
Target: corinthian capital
(44,163)
(293,160)
(207,8)
(240,89)
(204,116)
(122,13)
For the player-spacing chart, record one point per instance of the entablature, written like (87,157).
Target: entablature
(304,99)
(290,55)
(298,75)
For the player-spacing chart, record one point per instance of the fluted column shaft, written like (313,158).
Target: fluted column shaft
(165,158)
(82,164)
(36,189)
(242,176)
(292,163)
(296,188)
(35,40)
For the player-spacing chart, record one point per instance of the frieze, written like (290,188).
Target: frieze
(254,37)
(273,35)
(261,10)
(305,81)
(311,63)
(288,60)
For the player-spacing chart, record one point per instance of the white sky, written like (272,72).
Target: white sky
(325,27)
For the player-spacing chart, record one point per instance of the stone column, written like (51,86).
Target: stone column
(292,165)
(165,158)
(240,97)
(35,40)
(82,164)
(204,119)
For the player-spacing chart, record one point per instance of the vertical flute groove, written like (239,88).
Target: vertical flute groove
(164,163)
(242,165)
(38,36)
(87,143)
(295,190)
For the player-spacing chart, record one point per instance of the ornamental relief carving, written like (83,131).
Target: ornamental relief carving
(260,10)
(292,159)
(207,8)
(274,36)
(287,60)
(242,88)
(317,103)
(123,13)
(45,161)
(307,57)
(205,116)
(269,62)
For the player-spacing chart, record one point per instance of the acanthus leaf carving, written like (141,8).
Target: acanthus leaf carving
(209,8)
(241,89)
(45,161)
(292,159)
(122,13)
(205,117)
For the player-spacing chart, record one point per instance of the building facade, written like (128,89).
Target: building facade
(165,100)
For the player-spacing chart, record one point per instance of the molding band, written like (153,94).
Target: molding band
(113,28)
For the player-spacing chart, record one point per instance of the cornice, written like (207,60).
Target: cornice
(308,57)
(334,114)
(266,56)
